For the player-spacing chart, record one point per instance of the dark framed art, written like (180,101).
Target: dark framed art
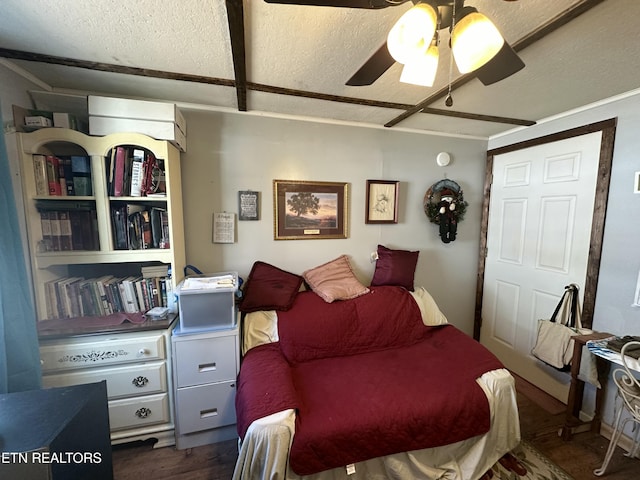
(310,210)
(382,201)
(248,205)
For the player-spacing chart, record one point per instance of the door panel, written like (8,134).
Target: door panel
(538,238)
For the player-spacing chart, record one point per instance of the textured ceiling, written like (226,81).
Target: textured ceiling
(315,50)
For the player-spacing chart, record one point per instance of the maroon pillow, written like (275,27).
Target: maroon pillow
(269,288)
(395,267)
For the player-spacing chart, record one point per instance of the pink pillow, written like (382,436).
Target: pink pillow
(395,267)
(269,288)
(335,280)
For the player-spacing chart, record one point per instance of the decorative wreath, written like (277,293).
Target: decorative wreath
(432,198)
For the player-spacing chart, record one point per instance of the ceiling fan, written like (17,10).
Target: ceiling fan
(418,49)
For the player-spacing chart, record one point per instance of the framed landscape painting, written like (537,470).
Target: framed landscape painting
(310,210)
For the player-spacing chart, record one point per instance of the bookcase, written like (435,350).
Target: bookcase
(87,242)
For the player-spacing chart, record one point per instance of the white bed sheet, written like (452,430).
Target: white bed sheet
(264,452)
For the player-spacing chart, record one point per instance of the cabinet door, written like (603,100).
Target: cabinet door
(206,406)
(205,360)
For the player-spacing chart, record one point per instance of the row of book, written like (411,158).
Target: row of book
(135,172)
(62,176)
(68,226)
(72,297)
(137,226)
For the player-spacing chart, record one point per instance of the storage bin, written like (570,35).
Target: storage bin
(207,302)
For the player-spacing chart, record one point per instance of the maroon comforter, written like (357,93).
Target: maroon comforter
(367,379)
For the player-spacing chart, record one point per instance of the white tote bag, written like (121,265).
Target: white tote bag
(554,343)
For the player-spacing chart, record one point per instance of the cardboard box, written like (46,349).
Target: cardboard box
(158,130)
(204,304)
(65,120)
(136,109)
(37,121)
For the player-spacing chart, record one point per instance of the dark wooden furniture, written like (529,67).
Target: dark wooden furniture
(573,423)
(56,433)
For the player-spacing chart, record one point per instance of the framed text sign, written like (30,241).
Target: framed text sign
(310,210)
(248,205)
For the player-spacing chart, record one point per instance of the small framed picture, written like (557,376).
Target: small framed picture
(308,210)
(248,205)
(382,201)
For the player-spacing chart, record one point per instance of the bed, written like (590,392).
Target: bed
(371,385)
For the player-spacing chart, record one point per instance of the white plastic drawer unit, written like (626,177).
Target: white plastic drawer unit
(139,411)
(122,381)
(205,360)
(206,406)
(95,352)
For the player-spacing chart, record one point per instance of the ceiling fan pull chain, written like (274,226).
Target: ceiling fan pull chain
(448,101)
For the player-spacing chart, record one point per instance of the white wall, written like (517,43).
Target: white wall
(228,152)
(620,261)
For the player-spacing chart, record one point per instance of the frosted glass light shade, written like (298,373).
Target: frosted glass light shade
(422,70)
(411,36)
(474,41)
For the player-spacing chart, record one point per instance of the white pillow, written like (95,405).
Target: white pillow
(431,314)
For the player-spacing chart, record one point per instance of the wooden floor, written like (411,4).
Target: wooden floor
(540,417)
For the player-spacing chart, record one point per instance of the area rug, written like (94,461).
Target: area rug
(536,464)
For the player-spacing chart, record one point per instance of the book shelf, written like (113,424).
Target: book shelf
(88,248)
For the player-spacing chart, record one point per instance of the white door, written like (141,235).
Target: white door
(539,229)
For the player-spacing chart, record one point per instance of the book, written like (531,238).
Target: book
(53,175)
(40,174)
(55,230)
(119,221)
(45,225)
(118,179)
(65,230)
(145,219)
(68,186)
(137,172)
(149,166)
(81,175)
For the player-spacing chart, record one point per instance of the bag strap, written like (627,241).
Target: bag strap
(574,316)
(559,306)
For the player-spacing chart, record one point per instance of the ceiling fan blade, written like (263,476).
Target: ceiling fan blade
(369,4)
(373,68)
(503,65)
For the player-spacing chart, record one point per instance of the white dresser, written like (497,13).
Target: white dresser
(137,367)
(205,367)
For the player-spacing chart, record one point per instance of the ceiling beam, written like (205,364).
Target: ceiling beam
(235,17)
(145,72)
(542,31)
(112,68)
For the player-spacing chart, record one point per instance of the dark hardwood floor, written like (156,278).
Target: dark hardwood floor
(541,417)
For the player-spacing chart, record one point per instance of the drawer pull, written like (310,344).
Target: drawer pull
(143,412)
(211,412)
(140,381)
(207,367)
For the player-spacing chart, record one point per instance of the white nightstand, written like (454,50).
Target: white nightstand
(205,367)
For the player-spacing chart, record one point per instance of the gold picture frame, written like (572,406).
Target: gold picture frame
(305,210)
(382,201)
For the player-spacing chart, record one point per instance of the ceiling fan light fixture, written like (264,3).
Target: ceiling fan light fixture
(474,41)
(411,36)
(422,71)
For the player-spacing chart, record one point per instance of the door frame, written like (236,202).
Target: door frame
(608,129)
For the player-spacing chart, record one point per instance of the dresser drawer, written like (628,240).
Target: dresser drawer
(139,411)
(123,381)
(205,360)
(206,406)
(96,352)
